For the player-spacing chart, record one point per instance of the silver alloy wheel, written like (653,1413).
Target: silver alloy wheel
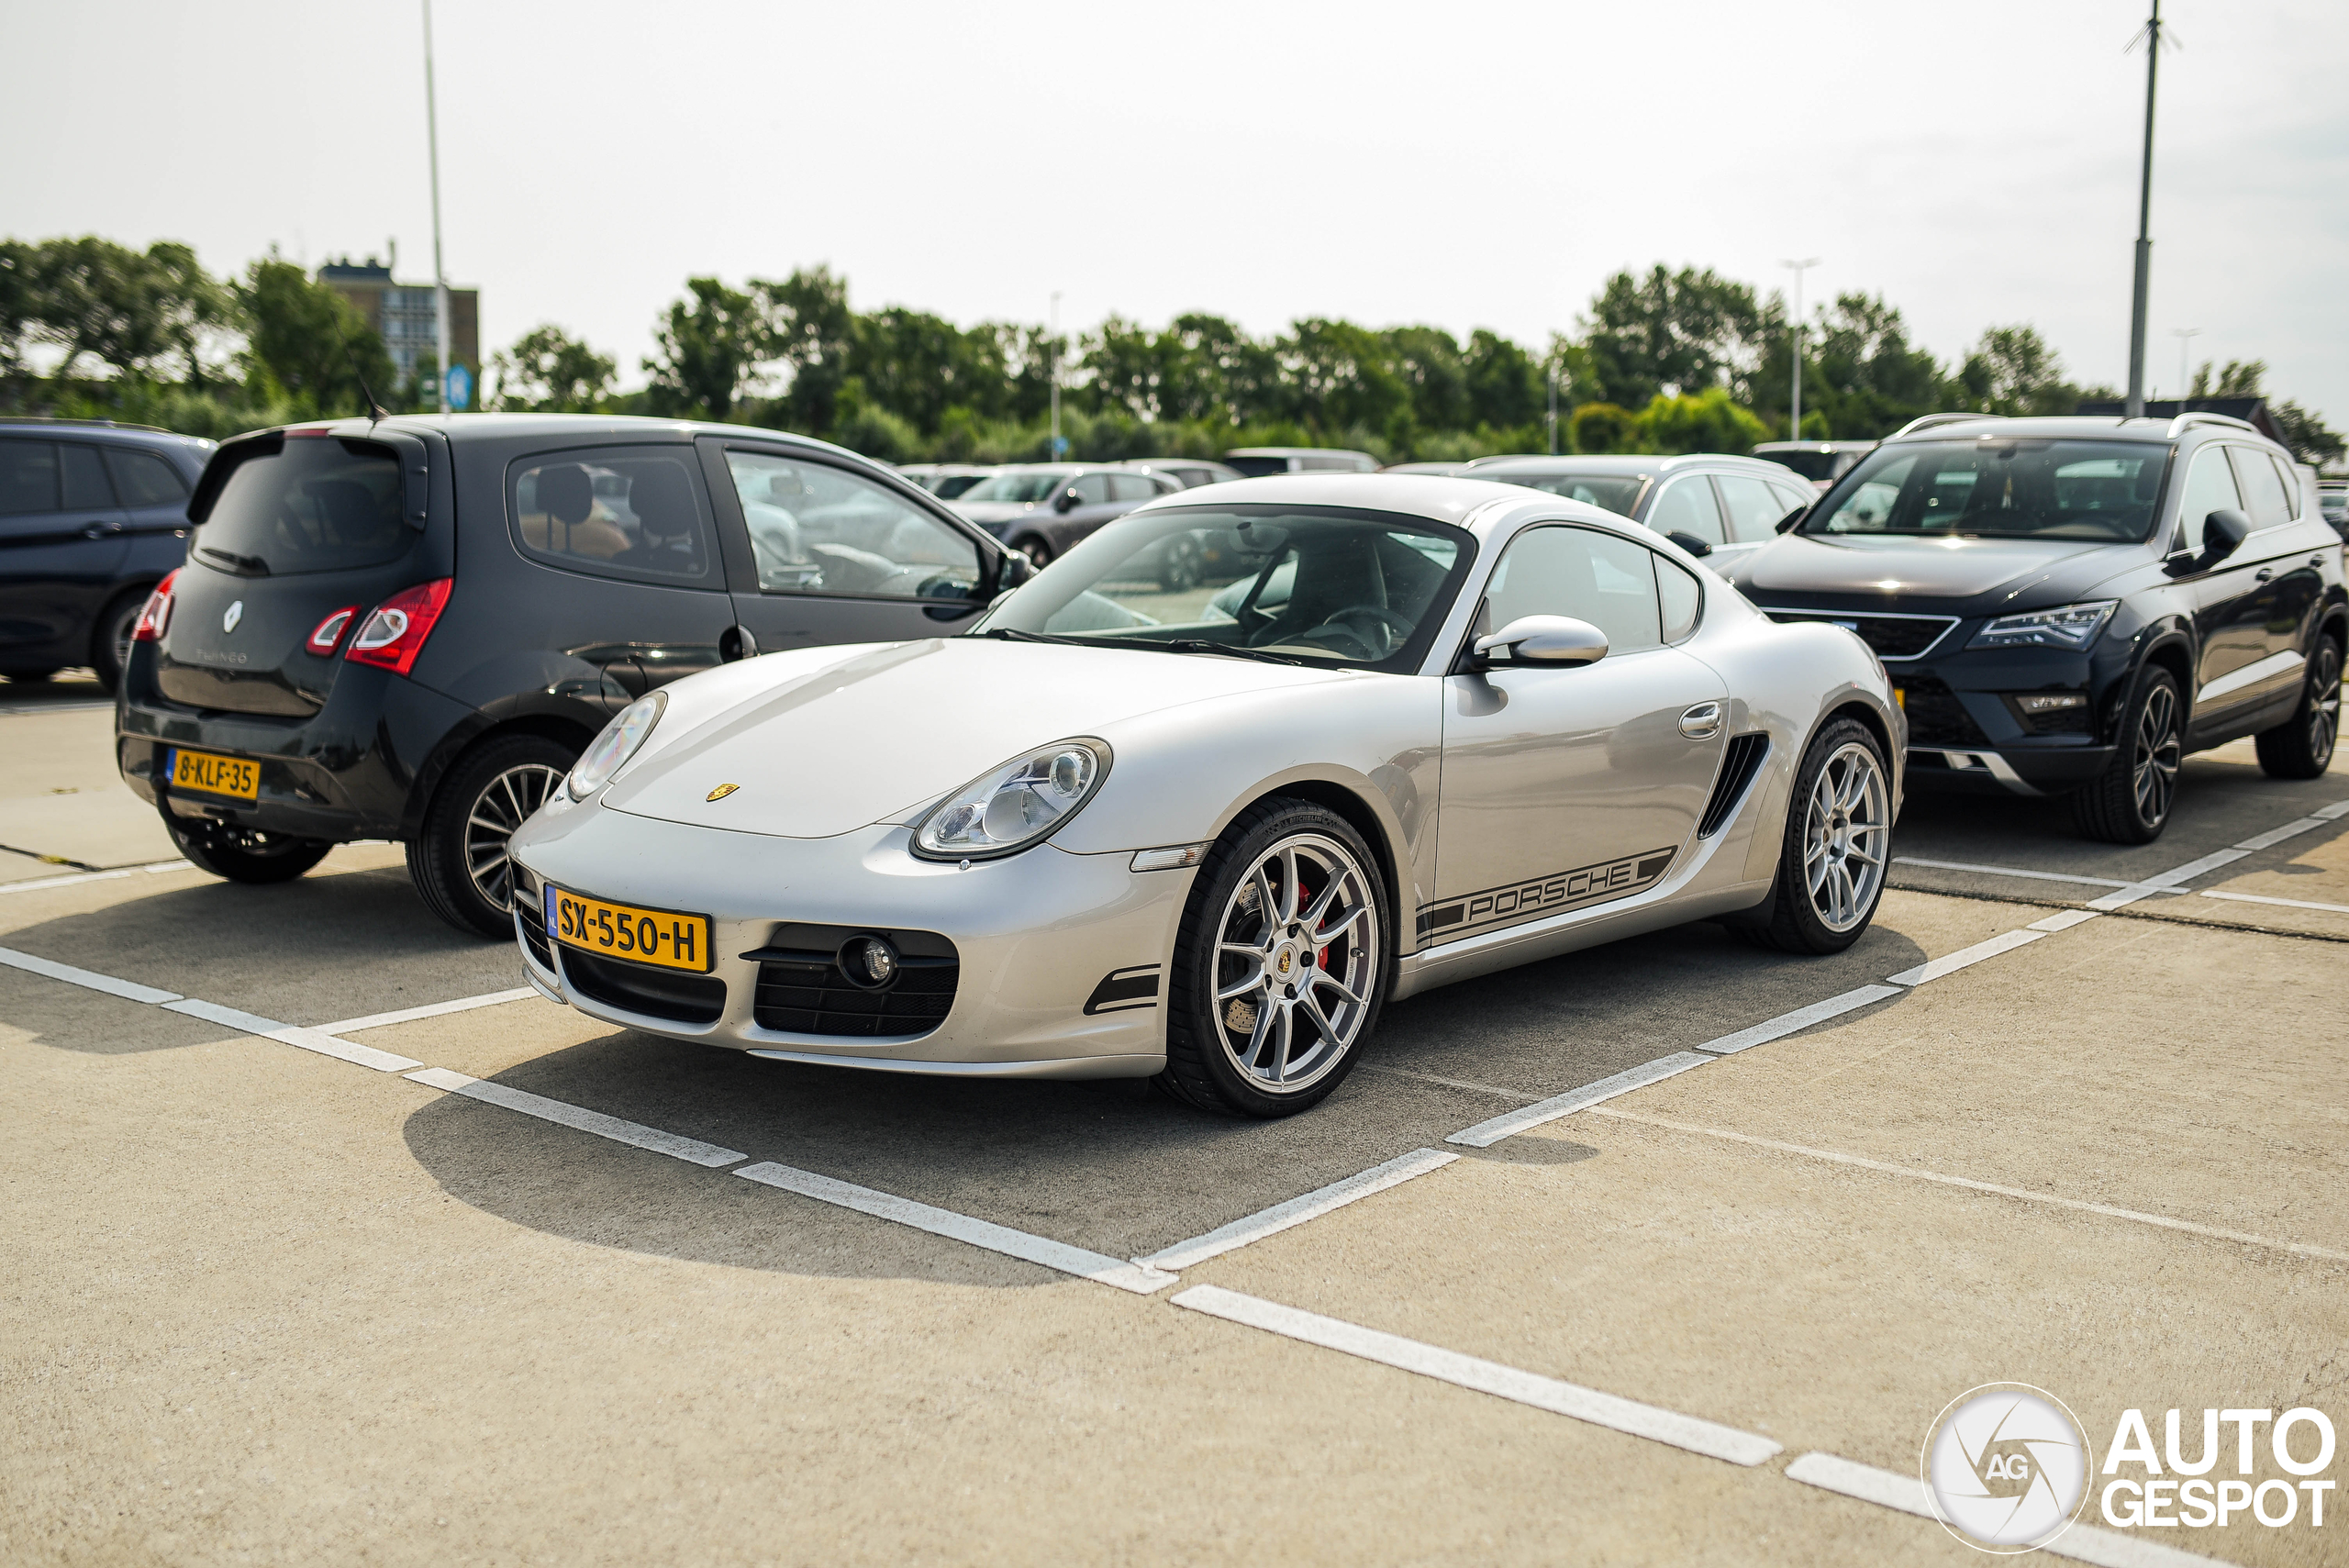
(1846,836)
(1296,964)
(2324,710)
(504,805)
(2153,755)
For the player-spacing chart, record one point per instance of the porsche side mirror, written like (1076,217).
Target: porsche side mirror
(1065,501)
(1545,639)
(1791,518)
(2222,532)
(1690,544)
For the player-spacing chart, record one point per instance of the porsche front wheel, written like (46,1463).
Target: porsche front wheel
(1280,965)
(1836,848)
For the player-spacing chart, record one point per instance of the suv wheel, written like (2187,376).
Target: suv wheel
(459,860)
(2131,803)
(1034,546)
(1836,848)
(246,854)
(2301,747)
(110,638)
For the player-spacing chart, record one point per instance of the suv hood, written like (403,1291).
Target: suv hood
(823,741)
(1800,571)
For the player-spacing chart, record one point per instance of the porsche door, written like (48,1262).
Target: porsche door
(1566,787)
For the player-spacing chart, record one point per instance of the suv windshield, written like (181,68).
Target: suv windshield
(1616,493)
(316,505)
(1318,586)
(1026,487)
(2104,491)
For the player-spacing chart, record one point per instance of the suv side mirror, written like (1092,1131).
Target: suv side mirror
(1791,518)
(1545,639)
(1690,544)
(1065,501)
(2222,532)
(1013,568)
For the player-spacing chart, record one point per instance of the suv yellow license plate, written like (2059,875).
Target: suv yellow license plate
(203,773)
(662,937)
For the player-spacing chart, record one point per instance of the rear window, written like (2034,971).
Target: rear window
(317,504)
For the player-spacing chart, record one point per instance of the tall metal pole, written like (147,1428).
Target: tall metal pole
(2185,335)
(440,273)
(1056,375)
(1554,410)
(2136,407)
(1794,346)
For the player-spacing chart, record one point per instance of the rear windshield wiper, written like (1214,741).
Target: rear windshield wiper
(1202,645)
(244,565)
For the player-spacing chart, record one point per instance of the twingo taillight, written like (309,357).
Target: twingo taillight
(155,614)
(394,634)
(329,636)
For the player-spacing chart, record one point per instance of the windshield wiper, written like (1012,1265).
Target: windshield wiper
(1013,634)
(245,565)
(1200,645)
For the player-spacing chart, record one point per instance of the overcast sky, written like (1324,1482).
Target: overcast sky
(1462,163)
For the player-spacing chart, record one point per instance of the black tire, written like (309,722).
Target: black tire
(2301,747)
(1179,566)
(459,860)
(1838,816)
(247,854)
(26,677)
(110,638)
(2130,802)
(1036,548)
(1203,1066)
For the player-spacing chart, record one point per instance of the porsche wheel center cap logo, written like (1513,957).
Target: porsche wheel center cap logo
(721,792)
(1286,962)
(235,613)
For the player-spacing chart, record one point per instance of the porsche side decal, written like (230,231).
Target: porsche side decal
(1540,896)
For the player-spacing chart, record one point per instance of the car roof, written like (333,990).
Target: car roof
(33,425)
(1628,464)
(2077,426)
(463,429)
(1464,502)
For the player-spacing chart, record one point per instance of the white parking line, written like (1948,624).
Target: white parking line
(1298,1210)
(294,1035)
(690,1150)
(2012,870)
(2216,1233)
(2063,920)
(1098,1267)
(1800,1018)
(2287,903)
(1890,1489)
(1950,963)
(81,876)
(129,991)
(1484,1134)
(432,1010)
(1690,1432)
(2169,881)
(1448,1083)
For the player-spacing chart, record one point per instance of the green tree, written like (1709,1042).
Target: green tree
(708,351)
(1708,422)
(1507,388)
(1863,374)
(305,343)
(2013,371)
(2306,434)
(1338,378)
(1602,428)
(548,372)
(2240,378)
(815,338)
(1686,330)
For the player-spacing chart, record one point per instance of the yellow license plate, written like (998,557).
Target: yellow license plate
(662,937)
(235,778)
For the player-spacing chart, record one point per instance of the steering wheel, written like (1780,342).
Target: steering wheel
(1396,627)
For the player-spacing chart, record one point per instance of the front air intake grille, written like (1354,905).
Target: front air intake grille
(1892,636)
(1738,764)
(1935,716)
(640,988)
(534,937)
(803,990)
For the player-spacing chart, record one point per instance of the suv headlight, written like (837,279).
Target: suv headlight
(2072,627)
(619,741)
(1008,809)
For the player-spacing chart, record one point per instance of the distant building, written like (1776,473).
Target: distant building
(402,315)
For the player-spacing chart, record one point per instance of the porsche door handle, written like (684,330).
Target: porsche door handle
(1701,722)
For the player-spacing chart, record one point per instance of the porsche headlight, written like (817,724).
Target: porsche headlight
(615,746)
(2071,628)
(1008,809)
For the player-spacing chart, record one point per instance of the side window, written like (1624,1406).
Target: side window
(1680,596)
(819,530)
(1791,499)
(2269,502)
(1092,489)
(2209,487)
(1754,507)
(142,479)
(1687,507)
(86,477)
(28,477)
(1581,573)
(632,512)
(2292,478)
(1131,487)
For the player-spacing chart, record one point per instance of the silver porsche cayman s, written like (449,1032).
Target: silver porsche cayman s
(1201,797)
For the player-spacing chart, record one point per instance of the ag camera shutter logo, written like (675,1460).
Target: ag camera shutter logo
(2007,1467)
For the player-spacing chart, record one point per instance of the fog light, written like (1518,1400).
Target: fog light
(2050,702)
(869,961)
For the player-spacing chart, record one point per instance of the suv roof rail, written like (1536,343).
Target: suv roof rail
(2179,425)
(1927,421)
(69,419)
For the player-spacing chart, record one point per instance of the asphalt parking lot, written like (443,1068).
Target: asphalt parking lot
(580,1295)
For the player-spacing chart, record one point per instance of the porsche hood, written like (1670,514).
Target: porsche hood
(824,741)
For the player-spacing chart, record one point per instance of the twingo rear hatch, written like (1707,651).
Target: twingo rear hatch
(293,529)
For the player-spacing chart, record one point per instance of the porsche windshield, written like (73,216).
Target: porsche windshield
(2104,491)
(1316,585)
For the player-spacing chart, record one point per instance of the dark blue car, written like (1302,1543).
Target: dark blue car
(93,515)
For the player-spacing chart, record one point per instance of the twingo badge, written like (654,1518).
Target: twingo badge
(721,792)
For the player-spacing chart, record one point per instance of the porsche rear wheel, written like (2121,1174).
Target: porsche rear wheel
(1280,966)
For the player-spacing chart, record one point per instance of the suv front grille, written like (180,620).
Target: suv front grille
(802,989)
(639,989)
(1892,636)
(1935,716)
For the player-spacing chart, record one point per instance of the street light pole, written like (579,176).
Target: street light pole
(2136,407)
(1554,410)
(2185,335)
(1056,374)
(440,273)
(1794,346)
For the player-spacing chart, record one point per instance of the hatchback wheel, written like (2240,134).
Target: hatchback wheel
(2130,802)
(110,640)
(1280,965)
(246,854)
(459,860)
(1836,848)
(2301,748)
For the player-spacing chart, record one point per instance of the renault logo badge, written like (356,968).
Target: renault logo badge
(721,792)
(235,613)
